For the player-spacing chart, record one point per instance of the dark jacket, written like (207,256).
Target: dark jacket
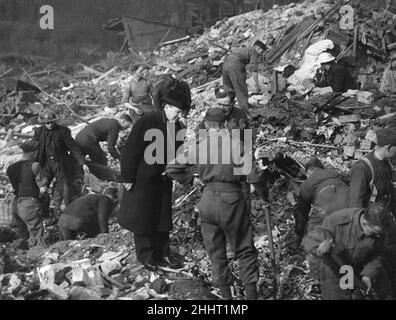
(26,178)
(102,130)
(146,208)
(338,78)
(92,212)
(360,183)
(321,194)
(62,143)
(364,254)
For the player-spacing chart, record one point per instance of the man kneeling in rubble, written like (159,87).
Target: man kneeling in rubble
(322,193)
(89,214)
(354,239)
(335,75)
(222,208)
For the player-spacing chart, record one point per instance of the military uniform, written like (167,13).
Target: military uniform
(102,130)
(371,181)
(234,73)
(222,208)
(364,254)
(361,188)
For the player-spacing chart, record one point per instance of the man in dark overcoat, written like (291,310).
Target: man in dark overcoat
(146,208)
(59,156)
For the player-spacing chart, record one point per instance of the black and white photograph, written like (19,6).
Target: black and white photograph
(197,155)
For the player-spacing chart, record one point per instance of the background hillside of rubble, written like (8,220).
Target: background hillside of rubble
(106,267)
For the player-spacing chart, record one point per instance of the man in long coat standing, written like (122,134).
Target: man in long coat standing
(146,208)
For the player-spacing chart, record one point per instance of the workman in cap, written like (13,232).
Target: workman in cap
(335,74)
(28,183)
(371,182)
(234,71)
(388,82)
(89,214)
(223,208)
(59,156)
(146,205)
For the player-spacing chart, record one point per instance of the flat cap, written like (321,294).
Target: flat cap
(386,136)
(215,114)
(28,146)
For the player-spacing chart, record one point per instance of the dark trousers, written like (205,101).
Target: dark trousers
(151,248)
(63,186)
(70,226)
(224,217)
(89,146)
(234,77)
(28,220)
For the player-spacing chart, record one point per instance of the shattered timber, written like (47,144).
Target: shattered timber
(289,129)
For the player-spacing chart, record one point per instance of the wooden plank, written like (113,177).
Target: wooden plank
(176,41)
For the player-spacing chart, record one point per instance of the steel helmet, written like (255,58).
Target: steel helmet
(47,116)
(325,57)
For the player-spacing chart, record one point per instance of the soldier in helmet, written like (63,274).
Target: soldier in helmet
(58,155)
(336,75)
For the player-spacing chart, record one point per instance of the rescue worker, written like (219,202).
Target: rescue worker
(222,208)
(235,117)
(388,82)
(234,71)
(352,237)
(371,176)
(59,156)
(322,193)
(28,182)
(335,74)
(137,95)
(89,214)
(146,202)
(102,130)
(371,182)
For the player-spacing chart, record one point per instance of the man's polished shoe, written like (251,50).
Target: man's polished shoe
(168,262)
(150,266)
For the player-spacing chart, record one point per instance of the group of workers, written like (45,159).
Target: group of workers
(357,217)
(351,222)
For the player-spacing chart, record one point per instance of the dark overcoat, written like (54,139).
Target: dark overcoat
(147,207)
(66,149)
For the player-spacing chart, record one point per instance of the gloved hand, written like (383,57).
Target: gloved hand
(324,247)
